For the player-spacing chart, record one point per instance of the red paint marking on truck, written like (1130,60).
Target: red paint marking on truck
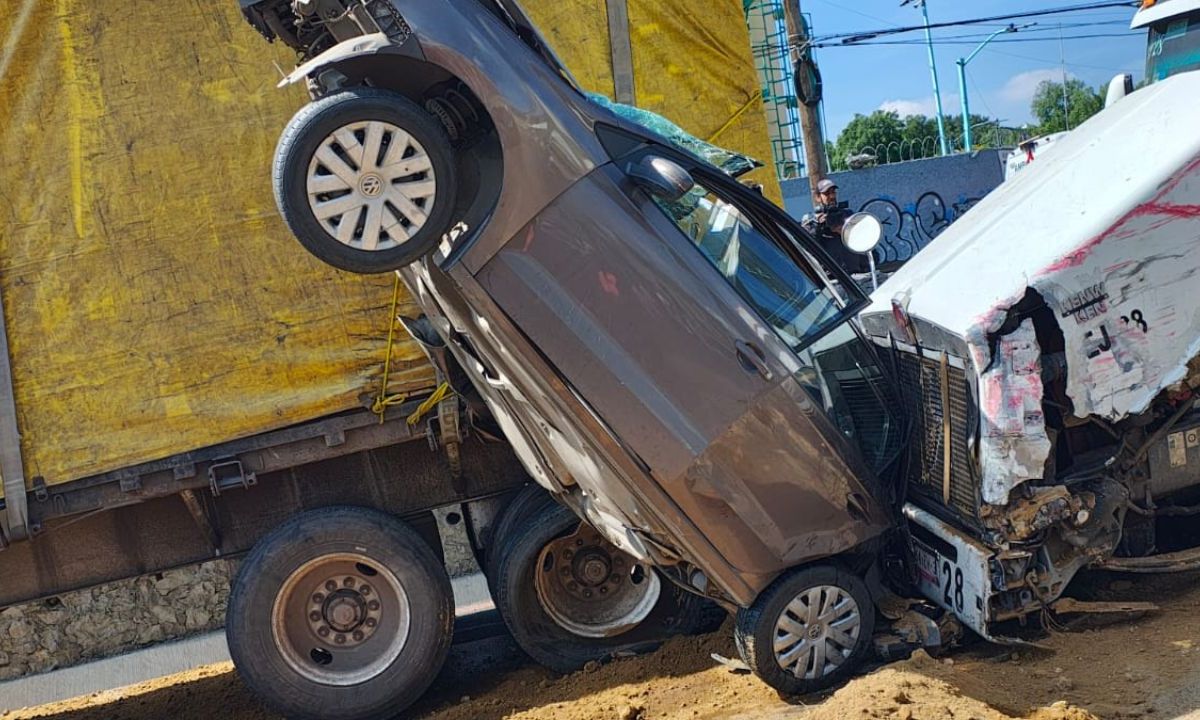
(1153,207)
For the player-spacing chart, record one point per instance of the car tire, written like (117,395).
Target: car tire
(365,180)
(547,630)
(341,613)
(809,630)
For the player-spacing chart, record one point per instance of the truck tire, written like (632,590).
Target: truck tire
(809,630)
(341,613)
(616,607)
(528,501)
(365,180)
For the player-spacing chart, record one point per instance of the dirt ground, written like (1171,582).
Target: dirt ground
(1147,667)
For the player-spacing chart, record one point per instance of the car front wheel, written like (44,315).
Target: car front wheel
(808,631)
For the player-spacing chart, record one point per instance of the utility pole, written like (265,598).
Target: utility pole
(1062,57)
(937,91)
(962,80)
(808,91)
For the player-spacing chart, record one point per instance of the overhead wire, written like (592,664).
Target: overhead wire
(1003,41)
(850,37)
(1051,61)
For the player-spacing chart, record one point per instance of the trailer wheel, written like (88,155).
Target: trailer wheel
(340,613)
(365,180)
(808,631)
(527,502)
(569,597)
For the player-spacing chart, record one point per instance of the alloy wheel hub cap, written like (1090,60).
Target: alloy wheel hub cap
(817,632)
(370,185)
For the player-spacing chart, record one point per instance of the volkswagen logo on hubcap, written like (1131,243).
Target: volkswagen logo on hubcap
(370,185)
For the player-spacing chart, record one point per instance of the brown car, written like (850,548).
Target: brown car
(669,353)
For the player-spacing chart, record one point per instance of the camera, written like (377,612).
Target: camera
(831,207)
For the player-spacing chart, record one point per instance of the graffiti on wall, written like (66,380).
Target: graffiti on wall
(908,229)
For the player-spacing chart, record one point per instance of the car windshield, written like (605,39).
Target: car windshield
(796,305)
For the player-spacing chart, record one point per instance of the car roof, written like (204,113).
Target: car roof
(1051,211)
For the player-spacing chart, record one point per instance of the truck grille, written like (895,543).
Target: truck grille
(921,388)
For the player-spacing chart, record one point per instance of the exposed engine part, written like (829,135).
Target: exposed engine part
(311,27)
(1181,561)
(1046,507)
(1174,458)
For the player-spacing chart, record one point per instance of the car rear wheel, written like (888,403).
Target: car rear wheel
(365,180)
(340,614)
(569,597)
(808,631)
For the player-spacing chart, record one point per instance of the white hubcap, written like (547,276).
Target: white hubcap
(371,185)
(817,632)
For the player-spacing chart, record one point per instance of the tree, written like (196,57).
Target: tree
(866,133)
(1047,106)
(891,138)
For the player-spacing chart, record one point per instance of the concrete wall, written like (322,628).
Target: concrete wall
(112,618)
(914,200)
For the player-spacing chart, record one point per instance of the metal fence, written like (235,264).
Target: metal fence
(921,148)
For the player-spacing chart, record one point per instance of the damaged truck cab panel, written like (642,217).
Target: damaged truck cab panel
(1053,402)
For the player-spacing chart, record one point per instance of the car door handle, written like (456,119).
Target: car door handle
(752,359)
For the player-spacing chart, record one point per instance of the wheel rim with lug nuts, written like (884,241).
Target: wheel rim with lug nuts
(591,588)
(371,185)
(340,619)
(817,631)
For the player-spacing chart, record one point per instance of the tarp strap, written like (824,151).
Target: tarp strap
(383,401)
(15,521)
(622,51)
(438,395)
(754,101)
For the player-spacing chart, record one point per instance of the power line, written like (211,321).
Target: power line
(852,37)
(842,7)
(976,41)
(1051,62)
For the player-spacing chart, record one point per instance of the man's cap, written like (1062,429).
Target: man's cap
(826,185)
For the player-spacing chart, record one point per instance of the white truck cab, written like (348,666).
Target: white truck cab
(1054,398)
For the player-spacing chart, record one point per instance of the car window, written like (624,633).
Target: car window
(798,306)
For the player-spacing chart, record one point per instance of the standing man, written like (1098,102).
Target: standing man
(826,226)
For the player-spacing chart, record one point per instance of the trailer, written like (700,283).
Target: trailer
(177,384)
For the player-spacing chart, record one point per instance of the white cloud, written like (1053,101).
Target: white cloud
(1020,88)
(904,108)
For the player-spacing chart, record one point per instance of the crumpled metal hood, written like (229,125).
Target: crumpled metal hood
(1045,221)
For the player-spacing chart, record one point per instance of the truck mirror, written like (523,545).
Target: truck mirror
(1118,87)
(861,232)
(661,177)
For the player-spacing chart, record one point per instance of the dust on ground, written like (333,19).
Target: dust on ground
(1147,667)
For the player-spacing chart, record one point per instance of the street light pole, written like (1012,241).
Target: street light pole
(937,92)
(962,82)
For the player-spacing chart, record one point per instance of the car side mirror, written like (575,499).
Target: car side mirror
(861,232)
(661,177)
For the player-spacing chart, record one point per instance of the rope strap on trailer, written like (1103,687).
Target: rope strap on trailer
(438,395)
(383,400)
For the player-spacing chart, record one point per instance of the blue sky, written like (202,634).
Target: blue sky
(1001,79)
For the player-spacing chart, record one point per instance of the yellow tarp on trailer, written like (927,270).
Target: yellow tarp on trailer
(154,301)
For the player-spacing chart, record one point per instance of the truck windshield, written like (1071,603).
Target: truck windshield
(1174,47)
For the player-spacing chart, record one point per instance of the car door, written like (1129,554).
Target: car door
(680,325)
